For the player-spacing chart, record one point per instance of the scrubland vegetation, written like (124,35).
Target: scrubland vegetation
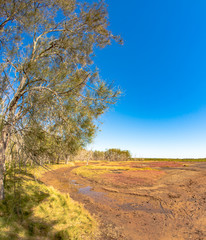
(32,210)
(51,96)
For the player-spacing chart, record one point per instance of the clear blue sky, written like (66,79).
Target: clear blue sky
(162,70)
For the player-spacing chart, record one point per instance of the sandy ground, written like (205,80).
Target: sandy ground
(172,207)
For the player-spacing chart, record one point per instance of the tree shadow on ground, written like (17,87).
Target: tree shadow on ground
(17,219)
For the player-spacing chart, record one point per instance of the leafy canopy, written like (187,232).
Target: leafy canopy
(51,92)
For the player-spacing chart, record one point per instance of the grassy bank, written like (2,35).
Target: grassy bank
(32,210)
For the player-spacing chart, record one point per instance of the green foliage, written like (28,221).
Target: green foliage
(115,154)
(51,92)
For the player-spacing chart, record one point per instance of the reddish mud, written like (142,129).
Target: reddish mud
(169,204)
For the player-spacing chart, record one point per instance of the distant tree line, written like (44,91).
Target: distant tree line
(113,154)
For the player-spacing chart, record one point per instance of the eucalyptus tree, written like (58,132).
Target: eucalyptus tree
(51,92)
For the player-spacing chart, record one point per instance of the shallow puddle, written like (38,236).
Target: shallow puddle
(87,191)
(97,196)
(74,182)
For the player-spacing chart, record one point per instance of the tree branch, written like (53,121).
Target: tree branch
(5,22)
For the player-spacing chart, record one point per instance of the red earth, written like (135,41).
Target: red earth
(168,203)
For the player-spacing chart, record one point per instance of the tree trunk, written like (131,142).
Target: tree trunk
(4,137)
(67,159)
(2,168)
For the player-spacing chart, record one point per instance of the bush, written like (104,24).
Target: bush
(115,154)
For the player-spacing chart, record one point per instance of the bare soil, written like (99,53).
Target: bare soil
(163,205)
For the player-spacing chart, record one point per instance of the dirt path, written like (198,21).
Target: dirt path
(173,208)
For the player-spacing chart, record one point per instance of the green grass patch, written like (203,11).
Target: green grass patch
(32,210)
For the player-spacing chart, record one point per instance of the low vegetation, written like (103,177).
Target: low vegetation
(119,174)
(32,210)
(94,172)
(171,159)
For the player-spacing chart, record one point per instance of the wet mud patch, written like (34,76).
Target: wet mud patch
(146,207)
(98,196)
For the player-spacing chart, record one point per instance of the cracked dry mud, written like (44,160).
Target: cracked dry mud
(173,207)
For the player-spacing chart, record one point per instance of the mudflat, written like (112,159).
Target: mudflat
(143,201)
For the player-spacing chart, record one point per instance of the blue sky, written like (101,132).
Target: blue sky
(161,69)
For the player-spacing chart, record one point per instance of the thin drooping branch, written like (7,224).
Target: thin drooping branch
(4,23)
